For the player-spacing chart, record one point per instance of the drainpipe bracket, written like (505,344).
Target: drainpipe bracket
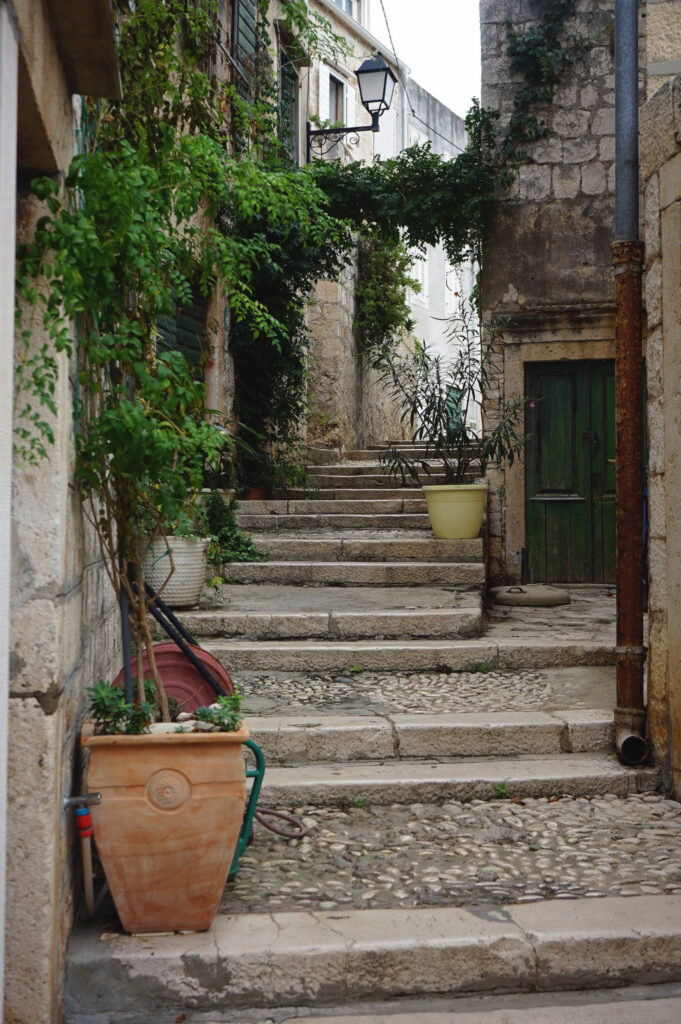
(632,652)
(627,256)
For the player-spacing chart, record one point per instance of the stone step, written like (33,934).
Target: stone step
(374,549)
(323,784)
(366,574)
(371,467)
(301,739)
(330,521)
(371,507)
(317,958)
(603,1007)
(351,625)
(372,493)
(368,476)
(408,655)
(414,451)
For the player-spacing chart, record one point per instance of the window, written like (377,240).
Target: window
(186,333)
(419,271)
(244,42)
(336,101)
(288,105)
(349,6)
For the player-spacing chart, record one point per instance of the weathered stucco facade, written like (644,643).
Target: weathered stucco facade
(347,405)
(548,271)
(64,632)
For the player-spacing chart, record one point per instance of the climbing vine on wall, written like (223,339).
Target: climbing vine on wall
(384,277)
(542,53)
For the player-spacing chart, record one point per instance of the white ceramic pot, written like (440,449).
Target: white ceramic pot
(456,510)
(185,586)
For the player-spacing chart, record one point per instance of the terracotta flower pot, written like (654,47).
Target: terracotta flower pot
(168,824)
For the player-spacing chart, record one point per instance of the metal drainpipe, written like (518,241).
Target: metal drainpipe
(627,249)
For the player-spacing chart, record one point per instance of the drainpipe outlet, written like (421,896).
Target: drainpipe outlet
(630,728)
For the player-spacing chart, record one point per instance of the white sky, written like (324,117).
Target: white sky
(440,41)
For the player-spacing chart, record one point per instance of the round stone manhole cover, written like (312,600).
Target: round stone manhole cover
(531,595)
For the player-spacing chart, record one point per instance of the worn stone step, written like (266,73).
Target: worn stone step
(360,470)
(373,453)
(351,625)
(374,478)
(288,739)
(415,781)
(378,506)
(610,1009)
(330,521)
(369,574)
(320,958)
(366,493)
(407,655)
(374,549)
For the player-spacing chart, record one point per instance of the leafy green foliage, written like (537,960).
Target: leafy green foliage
(225,713)
(439,398)
(383,313)
(112,715)
(228,543)
(420,194)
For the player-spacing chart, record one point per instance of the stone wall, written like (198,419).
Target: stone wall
(64,637)
(64,627)
(548,262)
(663,31)
(661,172)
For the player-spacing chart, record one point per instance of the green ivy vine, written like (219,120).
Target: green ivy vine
(541,54)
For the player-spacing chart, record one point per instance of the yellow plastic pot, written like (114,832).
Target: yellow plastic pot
(456,510)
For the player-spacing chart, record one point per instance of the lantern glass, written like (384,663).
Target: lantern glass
(376,85)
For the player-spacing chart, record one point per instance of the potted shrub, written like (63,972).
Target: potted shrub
(441,401)
(173,797)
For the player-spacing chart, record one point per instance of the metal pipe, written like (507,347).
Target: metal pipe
(626,121)
(627,250)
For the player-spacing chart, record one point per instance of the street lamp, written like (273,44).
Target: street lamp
(376,88)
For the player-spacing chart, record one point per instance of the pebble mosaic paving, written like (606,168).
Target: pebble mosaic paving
(481,852)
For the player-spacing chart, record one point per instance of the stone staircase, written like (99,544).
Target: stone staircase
(474,847)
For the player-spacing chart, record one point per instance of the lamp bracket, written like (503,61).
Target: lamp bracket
(323,140)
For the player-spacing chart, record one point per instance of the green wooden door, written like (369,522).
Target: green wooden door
(570,472)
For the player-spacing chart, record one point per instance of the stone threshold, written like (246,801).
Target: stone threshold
(313,959)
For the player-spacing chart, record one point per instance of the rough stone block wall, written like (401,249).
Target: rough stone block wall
(663,30)
(661,169)
(64,637)
(548,261)
(334,369)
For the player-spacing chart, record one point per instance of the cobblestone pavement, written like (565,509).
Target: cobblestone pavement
(590,616)
(428,692)
(499,852)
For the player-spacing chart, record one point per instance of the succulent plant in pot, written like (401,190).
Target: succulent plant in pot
(441,403)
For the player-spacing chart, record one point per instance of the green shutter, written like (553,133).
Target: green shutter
(244,36)
(186,333)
